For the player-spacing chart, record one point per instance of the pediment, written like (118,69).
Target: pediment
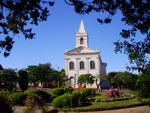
(81,50)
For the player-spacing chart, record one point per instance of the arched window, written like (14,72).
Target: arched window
(81,65)
(92,65)
(81,40)
(71,65)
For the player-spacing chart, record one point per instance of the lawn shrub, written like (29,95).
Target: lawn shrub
(87,92)
(146,101)
(62,101)
(76,98)
(113,93)
(41,93)
(57,91)
(18,98)
(28,92)
(4,93)
(67,100)
(44,95)
(32,102)
(5,105)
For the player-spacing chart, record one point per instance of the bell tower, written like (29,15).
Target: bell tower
(82,36)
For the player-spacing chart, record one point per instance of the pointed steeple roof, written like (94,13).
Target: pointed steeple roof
(81,28)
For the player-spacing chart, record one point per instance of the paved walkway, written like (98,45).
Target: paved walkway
(140,109)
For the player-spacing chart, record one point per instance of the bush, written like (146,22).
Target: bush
(146,101)
(4,93)
(5,104)
(62,101)
(113,93)
(28,92)
(59,91)
(87,92)
(44,95)
(76,98)
(32,102)
(18,98)
(143,85)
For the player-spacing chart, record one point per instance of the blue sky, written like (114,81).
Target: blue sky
(57,34)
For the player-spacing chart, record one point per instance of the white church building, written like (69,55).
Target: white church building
(83,60)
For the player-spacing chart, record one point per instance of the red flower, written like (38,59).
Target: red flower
(53,84)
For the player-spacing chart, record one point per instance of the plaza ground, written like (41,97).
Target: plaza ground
(139,109)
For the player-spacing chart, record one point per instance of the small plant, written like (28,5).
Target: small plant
(62,101)
(87,92)
(5,105)
(113,93)
(17,97)
(32,102)
(59,91)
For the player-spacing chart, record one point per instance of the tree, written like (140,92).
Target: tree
(15,18)
(86,79)
(63,78)
(40,73)
(143,83)
(135,14)
(8,79)
(23,80)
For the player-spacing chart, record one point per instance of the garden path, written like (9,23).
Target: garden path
(140,109)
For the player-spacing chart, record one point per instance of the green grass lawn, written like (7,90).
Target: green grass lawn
(95,106)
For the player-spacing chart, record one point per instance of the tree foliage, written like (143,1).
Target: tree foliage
(15,17)
(39,73)
(143,83)
(46,75)
(8,79)
(23,80)
(86,79)
(135,14)
(122,80)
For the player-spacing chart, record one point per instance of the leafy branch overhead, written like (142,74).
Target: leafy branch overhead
(135,14)
(16,15)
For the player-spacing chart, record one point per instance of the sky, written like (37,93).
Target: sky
(58,34)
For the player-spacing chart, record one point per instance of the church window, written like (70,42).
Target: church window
(71,65)
(81,65)
(81,40)
(92,65)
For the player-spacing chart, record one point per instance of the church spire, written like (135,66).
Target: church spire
(81,28)
(82,36)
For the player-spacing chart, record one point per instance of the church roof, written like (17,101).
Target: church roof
(82,28)
(81,50)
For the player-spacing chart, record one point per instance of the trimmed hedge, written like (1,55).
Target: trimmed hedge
(62,101)
(45,96)
(5,105)
(4,93)
(74,99)
(87,92)
(59,91)
(18,98)
(146,101)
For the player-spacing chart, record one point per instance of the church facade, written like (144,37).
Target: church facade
(83,60)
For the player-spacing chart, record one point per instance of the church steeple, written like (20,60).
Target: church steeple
(82,36)
(81,28)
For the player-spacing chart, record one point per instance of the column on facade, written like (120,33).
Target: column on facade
(77,69)
(67,67)
(87,66)
(98,65)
